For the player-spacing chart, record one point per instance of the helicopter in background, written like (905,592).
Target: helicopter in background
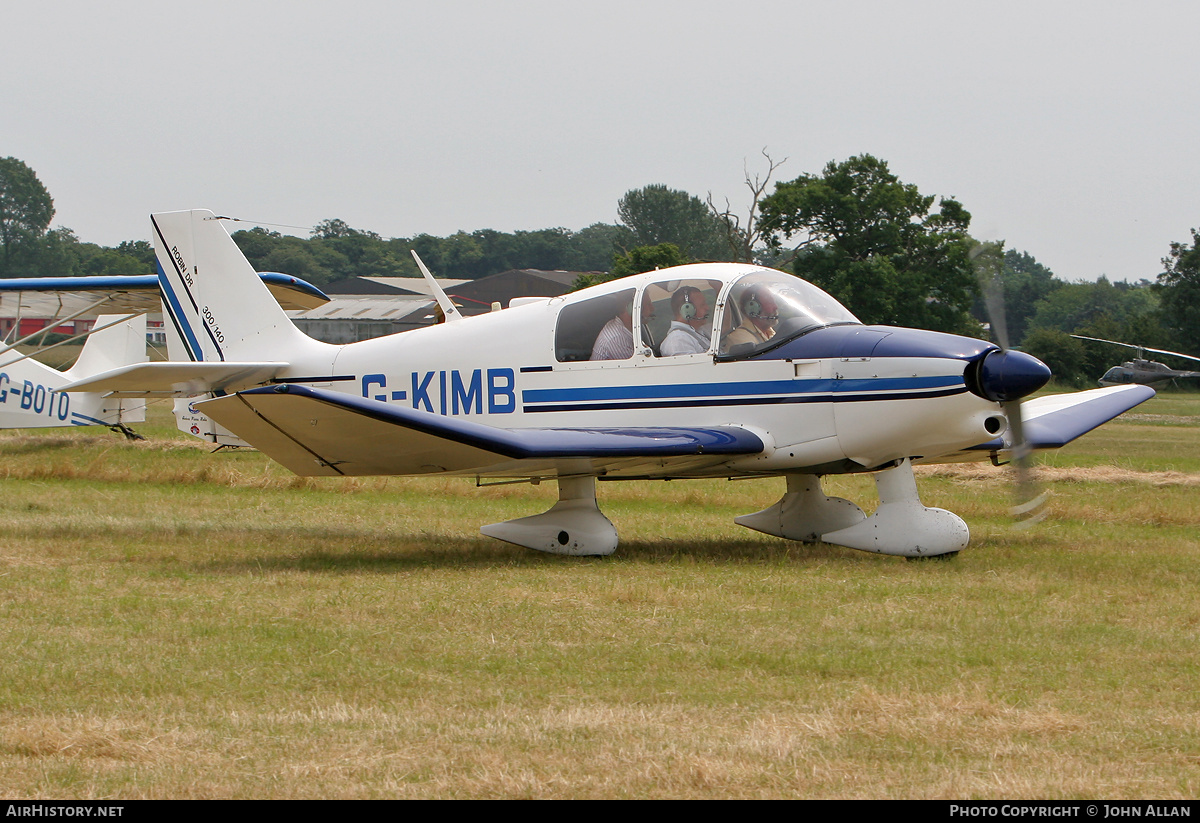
(1140,370)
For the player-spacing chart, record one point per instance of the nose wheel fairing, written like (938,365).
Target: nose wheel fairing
(901,525)
(804,512)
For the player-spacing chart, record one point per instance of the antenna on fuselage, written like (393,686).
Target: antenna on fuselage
(448,308)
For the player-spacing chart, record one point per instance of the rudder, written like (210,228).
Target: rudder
(211,294)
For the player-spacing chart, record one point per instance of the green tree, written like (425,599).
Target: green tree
(1178,288)
(1026,281)
(452,256)
(593,248)
(648,258)
(656,214)
(546,249)
(874,243)
(271,251)
(334,228)
(1024,285)
(1063,354)
(1073,307)
(138,250)
(26,210)
(636,261)
(130,257)
(57,253)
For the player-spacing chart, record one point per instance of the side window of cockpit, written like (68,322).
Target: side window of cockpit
(683,315)
(751,317)
(597,329)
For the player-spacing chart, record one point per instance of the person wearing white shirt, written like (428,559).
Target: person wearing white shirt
(689,332)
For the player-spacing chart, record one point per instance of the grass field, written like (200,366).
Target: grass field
(178,624)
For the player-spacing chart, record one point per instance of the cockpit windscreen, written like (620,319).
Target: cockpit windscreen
(765,308)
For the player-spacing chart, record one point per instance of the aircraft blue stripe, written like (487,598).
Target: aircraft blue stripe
(198,354)
(693,403)
(134,282)
(177,315)
(91,421)
(762,388)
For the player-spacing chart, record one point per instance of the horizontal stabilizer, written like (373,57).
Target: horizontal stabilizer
(176,379)
(319,432)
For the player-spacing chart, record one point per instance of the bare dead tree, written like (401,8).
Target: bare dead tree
(745,238)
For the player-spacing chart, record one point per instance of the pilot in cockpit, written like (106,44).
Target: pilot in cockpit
(760,316)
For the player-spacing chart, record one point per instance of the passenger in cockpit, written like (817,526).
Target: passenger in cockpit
(689,332)
(615,340)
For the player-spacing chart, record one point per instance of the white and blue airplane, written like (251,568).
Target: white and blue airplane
(777,379)
(30,392)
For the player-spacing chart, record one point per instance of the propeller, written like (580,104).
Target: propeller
(1007,376)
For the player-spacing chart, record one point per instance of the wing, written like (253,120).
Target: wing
(1053,421)
(138,293)
(317,432)
(61,296)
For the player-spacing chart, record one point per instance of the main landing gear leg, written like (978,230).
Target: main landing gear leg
(804,513)
(574,525)
(902,525)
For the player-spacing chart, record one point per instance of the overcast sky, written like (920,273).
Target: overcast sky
(1067,129)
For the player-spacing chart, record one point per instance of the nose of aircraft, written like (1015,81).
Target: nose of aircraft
(1011,375)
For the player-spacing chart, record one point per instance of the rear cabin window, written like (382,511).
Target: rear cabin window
(595,329)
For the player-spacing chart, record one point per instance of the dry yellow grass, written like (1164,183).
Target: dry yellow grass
(985,473)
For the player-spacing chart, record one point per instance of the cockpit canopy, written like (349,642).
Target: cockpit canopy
(766,307)
(732,316)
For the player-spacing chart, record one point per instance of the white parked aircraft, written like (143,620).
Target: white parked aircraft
(786,382)
(30,396)
(24,384)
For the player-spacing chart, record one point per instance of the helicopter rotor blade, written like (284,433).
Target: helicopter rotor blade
(1138,348)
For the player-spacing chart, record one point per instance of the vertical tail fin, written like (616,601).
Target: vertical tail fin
(212,295)
(29,396)
(118,343)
